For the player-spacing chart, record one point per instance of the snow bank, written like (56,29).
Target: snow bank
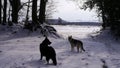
(22,50)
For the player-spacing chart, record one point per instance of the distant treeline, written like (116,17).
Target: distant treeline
(77,23)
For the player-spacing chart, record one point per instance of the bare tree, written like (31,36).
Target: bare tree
(42,11)
(15,9)
(50,8)
(34,12)
(4,12)
(0,10)
(28,6)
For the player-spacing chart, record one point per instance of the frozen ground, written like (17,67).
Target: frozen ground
(21,50)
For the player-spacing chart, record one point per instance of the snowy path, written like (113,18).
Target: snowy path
(112,46)
(23,52)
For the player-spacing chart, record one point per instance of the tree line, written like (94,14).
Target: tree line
(109,11)
(10,9)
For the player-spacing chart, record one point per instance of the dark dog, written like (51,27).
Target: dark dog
(48,51)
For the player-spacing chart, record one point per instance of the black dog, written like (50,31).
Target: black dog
(48,51)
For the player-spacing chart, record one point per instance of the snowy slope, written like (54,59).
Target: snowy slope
(21,50)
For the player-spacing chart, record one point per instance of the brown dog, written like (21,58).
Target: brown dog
(75,43)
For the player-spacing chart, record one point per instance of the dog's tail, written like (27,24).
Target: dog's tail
(83,49)
(54,60)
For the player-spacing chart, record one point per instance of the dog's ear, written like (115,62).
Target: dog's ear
(47,40)
(70,36)
(45,37)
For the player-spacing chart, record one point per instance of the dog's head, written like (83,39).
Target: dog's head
(69,37)
(47,41)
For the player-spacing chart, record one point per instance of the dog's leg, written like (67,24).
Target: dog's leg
(72,47)
(41,57)
(47,59)
(77,48)
(54,60)
(81,50)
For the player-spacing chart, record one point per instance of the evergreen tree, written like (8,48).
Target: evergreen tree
(109,10)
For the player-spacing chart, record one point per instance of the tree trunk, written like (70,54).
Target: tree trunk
(0,10)
(104,24)
(34,12)
(15,9)
(42,11)
(26,21)
(4,12)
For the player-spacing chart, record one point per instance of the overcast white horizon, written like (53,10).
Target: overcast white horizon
(69,11)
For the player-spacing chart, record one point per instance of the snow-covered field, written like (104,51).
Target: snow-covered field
(21,50)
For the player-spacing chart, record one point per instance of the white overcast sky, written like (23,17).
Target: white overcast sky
(68,10)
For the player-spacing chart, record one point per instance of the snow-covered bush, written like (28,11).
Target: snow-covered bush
(47,30)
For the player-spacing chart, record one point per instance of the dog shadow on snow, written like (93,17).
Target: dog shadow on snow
(37,63)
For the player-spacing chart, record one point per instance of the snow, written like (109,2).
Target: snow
(21,49)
